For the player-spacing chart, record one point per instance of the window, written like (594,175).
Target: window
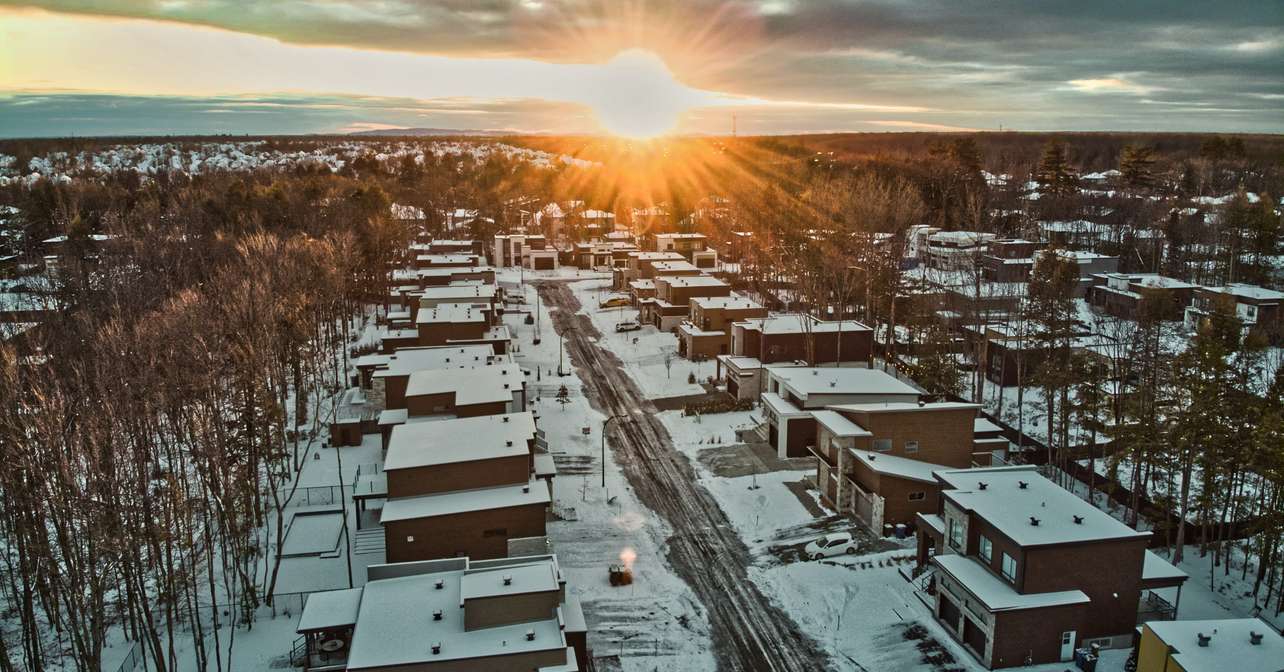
(917,496)
(496,532)
(956,534)
(986,549)
(882,445)
(1009,568)
(911,446)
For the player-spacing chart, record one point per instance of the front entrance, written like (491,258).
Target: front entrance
(1067,645)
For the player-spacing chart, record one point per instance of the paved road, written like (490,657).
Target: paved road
(748,632)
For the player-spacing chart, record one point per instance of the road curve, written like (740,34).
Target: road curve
(749,633)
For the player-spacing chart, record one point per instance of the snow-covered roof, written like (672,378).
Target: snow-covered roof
(519,580)
(839,425)
(408,360)
(781,406)
(808,380)
(396,626)
(674,266)
(1062,516)
(1156,568)
(982,425)
(464,501)
(725,302)
(997,594)
(471,386)
(902,407)
(427,444)
(899,467)
(1249,292)
(793,323)
(680,236)
(452,313)
(1228,648)
(330,609)
(461,291)
(690,280)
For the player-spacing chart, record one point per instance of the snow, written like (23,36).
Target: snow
(1230,642)
(464,501)
(1009,507)
(805,381)
(997,594)
(330,609)
(899,467)
(471,386)
(459,440)
(838,424)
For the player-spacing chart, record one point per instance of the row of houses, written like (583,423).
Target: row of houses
(459,498)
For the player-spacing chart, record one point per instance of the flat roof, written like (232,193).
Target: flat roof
(452,313)
(792,323)
(690,236)
(426,444)
(330,609)
(522,579)
(464,501)
(839,425)
(897,466)
(997,594)
(692,281)
(408,360)
(395,625)
(471,386)
(781,406)
(725,302)
(1228,648)
(1009,507)
(470,291)
(902,407)
(1156,568)
(841,380)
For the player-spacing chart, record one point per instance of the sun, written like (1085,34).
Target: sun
(634,95)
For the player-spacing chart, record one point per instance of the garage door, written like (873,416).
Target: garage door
(974,637)
(949,613)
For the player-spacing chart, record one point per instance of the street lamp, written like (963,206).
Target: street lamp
(604,427)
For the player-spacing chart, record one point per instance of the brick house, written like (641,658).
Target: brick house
(1246,644)
(706,333)
(490,390)
(673,295)
(502,615)
(1024,572)
(790,393)
(1008,260)
(785,338)
(640,265)
(875,461)
(1257,308)
(462,487)
(1127,296)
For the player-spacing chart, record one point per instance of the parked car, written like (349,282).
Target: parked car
(616,302)
(628,325)
(830,545)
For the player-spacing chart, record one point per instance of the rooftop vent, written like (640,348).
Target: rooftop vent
(815,373)
(921,403)
(833,383)
(440,583)
(1204,639)
(505,418)
(1023,485)
(436,615)
(530,635)
(982,485)
(1254,638)
(526,488)
(508,580)
(436,648)
(1078,520)
(505,386)
(508,444)
(1034,521)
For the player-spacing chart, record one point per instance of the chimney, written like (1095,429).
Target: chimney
(1034,521)
(1022,485)
(508,580)
(1254,638)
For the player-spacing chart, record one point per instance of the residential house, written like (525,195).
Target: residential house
(501,615)
(1132,295)
(1257,308)
(673,295)
(1241,644)
(790,393)
(1008,260)
(489,390)
(706,333)
(1025,572)
(956,250)
(788,337)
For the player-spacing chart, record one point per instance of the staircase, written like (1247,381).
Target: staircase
(368,541)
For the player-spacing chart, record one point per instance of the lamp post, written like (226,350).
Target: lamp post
(605,425)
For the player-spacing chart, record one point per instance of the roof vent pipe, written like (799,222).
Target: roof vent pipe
(1204,639)
(1022,485)
(508,580)
(1254,638)
(1034,521)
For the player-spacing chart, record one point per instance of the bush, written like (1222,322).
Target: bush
(722,404)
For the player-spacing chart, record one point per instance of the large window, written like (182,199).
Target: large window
(882,445)
(986,548)
(1009,568)
(956,534)
(917,496)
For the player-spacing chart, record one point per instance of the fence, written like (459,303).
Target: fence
(135,660)
(317,495)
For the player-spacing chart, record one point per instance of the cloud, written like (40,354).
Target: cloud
(1115,84)
(923,126)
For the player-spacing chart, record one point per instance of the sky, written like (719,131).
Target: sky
(146,67)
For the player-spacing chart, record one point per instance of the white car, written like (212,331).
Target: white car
(627,325)
(831,545)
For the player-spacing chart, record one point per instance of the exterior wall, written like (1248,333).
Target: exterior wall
(515,663)
(1070,567)
(793,346)
(704,347)
(802,433)
(440,333)
(943,436)
(1035,633)
(509,609)
(458,476)
(428,404)
(480,535)
(897,506)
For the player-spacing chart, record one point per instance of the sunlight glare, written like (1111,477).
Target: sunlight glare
(638,97)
